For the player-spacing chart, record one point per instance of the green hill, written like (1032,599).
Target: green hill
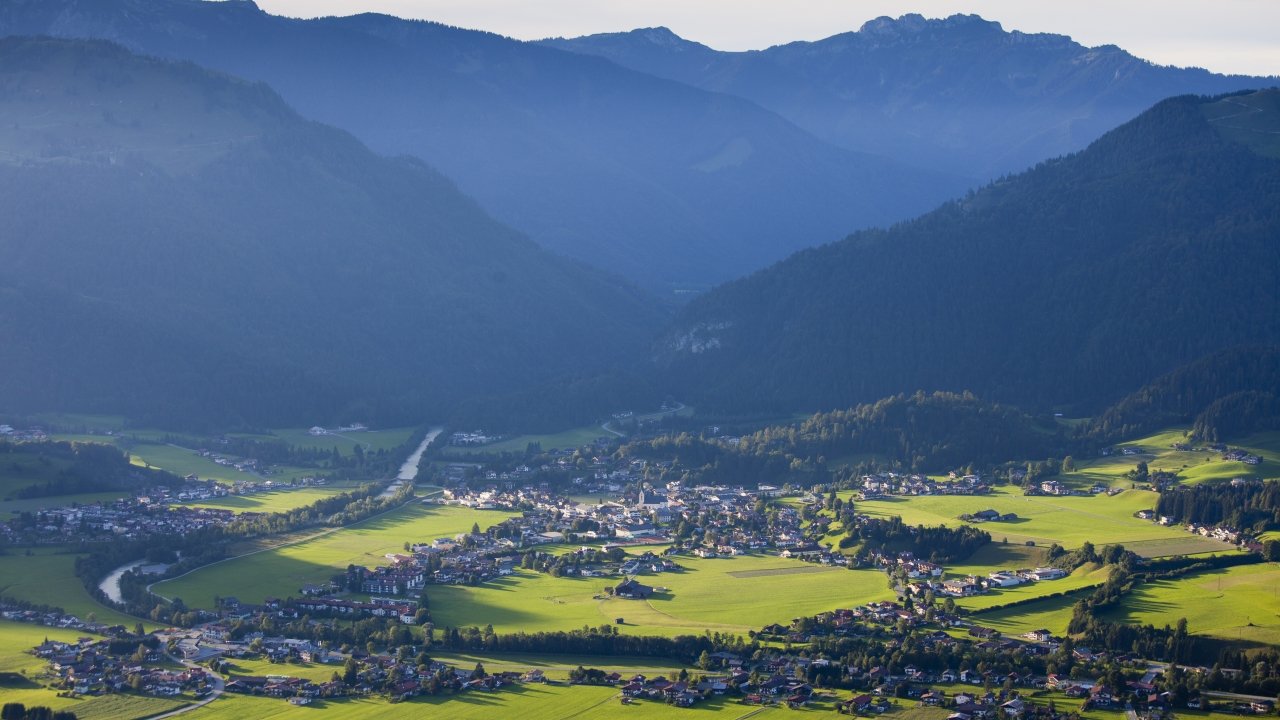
(1226,395)
(179,244)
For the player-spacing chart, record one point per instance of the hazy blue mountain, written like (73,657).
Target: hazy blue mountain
(958,94)
(179,244)
(664,182)
(1066,286)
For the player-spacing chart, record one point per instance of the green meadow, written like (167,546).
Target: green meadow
(1069,521)
(12,507)
(48,577)
(557,667)
(1239,603)
(728,595)
(274,501)
(1192,467)
(563,702)
(525,701)
(370,440)
(19,470)
(1052,614)
(281,571)
(184,461)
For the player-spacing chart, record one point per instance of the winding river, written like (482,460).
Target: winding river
(110,585)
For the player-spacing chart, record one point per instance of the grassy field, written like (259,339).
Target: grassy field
(732,595)
(23,469)
(48,577)
(1192,467)
(557,667)
(12,507)
(281,571)
(1187,545)
(528,702)
(561,702)
(276,501)
(1052,614)
(1240,603)
(182,461)
(371,440)
(19,470)
(1069,521)
(316,672)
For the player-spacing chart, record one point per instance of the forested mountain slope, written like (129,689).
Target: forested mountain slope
(668,184)
(1225,395)
(1068,286)
(179,244)
(959,93)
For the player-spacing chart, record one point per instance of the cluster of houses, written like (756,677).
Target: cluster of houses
(1227,453)
(317,431)
(648,515)
(406,611)
(971,585)
(1243,456)
(86,667)
(30,434)
(472,439)
(1054,487)
(128,518)
(376,674)
(466,559)
(150,511)
(680,693)
(244,465)
(1223,533)
(51,618)
(888,484)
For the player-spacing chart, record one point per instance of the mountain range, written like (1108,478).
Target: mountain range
(1066,286)
(179,244)
(182,243)
(958,94)
(668,184)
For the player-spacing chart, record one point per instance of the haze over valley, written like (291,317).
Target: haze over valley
(369,366)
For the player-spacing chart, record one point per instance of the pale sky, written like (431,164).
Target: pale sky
(1231,36)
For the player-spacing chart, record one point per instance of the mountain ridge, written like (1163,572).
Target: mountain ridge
(671,185)
(1023,292)
(957,93)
